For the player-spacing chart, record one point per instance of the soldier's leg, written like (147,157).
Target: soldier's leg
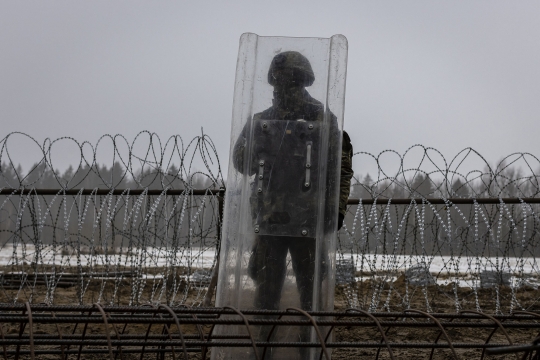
(269,271)
(303,261)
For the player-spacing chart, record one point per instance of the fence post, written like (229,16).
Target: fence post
(215,272)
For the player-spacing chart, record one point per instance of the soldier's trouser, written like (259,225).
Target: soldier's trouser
(268,268)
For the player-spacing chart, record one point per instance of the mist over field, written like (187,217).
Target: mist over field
(447,75)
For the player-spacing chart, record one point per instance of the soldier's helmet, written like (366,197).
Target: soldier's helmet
(290,68)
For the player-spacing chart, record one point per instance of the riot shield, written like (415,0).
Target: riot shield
(281,205)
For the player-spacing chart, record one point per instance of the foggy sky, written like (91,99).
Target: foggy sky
(443,74)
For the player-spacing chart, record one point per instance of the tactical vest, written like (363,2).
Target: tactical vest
(285,163)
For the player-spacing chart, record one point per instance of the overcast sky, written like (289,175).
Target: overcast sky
(446,74)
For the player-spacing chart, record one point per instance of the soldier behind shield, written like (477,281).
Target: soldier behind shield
(283,204)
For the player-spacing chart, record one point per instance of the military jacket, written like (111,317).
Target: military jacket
(310,110)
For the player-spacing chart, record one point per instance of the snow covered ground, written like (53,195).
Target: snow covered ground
(197,258)
(152,257)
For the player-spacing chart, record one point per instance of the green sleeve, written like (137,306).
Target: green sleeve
(346,173)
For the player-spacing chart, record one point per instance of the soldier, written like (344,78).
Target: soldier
(289,73)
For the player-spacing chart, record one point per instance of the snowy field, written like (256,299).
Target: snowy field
(205,258)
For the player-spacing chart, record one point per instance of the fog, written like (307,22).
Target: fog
(442,74)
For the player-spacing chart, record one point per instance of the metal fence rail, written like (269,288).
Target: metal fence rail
(116,331)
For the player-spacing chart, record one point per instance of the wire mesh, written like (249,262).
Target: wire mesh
(424,232)
(118,331)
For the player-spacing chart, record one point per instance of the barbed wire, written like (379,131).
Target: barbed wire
(145,162)
(162,245)
(424,172)
(130,247)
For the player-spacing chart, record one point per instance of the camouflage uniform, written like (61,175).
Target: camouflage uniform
(289,73)
(346,173)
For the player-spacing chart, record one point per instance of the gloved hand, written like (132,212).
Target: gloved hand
(340,221)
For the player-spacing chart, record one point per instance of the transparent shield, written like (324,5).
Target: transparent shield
(281,205)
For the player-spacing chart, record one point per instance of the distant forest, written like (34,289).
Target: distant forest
(41,176)
(195,222)
(507,183)
(165,217)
